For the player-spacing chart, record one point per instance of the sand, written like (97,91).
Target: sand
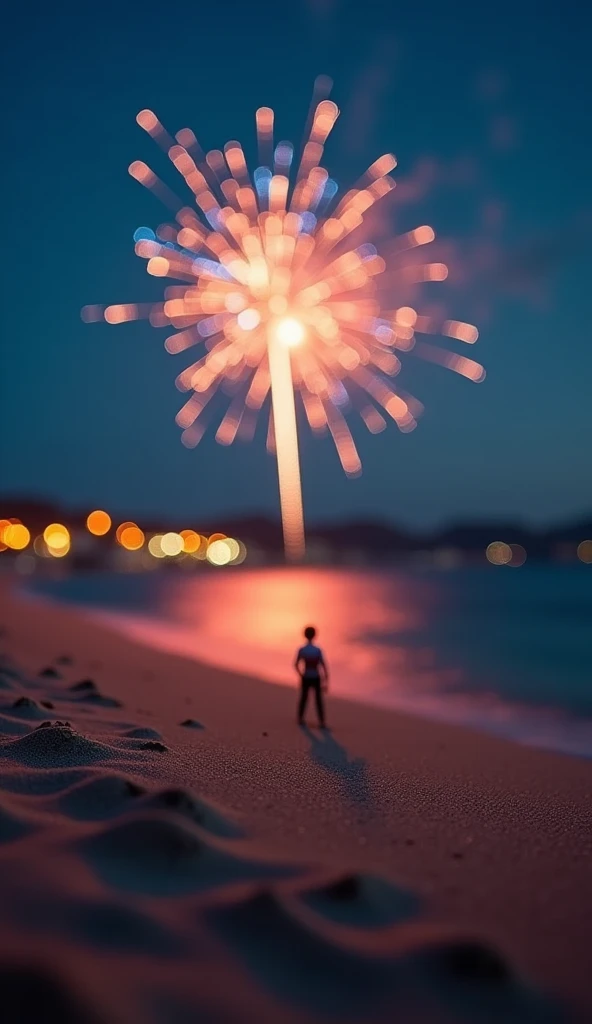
(174,849)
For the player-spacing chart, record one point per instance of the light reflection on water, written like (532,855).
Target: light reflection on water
(507,650)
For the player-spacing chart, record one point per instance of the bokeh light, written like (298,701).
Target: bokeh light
(289,331)
(98,523)
(202,551)
(16,536)
(121,528)
(62,548)
(191,541)
(171,544)
(499,553)
(233,547)
(154,546)
(4,524)
(132,538)
(57,539)
(248,319)
(518,555)
(585,552)
(219,553)
(40,547)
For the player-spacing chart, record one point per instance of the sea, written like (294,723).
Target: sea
(505,650)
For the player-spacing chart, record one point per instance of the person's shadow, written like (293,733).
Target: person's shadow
(332,757)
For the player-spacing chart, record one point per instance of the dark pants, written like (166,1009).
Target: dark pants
(313,683)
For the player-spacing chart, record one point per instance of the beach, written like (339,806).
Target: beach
(181,851)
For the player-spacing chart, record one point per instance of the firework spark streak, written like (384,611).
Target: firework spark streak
(283,293)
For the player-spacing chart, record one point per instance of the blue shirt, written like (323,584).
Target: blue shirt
(312,657)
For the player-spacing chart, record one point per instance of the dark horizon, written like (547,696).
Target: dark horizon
(40,508)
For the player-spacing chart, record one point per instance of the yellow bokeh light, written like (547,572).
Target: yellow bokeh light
(585,552)
(289,331)
(132,538)
(171,544)
(219,553)
(154,546)
(191,541)
(498,553)
(59,552)
(233,547)
(56,536)
(98,523)
(16,536)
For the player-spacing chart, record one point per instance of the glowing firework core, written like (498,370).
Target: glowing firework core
(289,331)
(278,282)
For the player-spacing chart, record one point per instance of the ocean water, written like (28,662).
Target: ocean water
(505,650)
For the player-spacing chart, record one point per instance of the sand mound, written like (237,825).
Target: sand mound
(26,707)
(87,690)
(280,949)
(102,796)
(471,960)
(191,723)
(49,673)
(141,732)
(55,744)
(400,974)
(84,686)
(360,901)
(160,855)
(190,807)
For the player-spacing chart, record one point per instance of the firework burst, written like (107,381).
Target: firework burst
(280,288)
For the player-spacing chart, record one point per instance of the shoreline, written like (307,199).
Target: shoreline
(493,838)
(541,727)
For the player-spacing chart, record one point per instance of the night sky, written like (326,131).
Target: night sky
(488,110)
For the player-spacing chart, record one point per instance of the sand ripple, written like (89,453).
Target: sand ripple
(124,900)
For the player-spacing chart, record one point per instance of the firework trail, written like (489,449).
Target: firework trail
(281,290)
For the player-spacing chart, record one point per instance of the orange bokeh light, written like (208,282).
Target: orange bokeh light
(121,528)
(132,538)
(4,524)
(191,541)
(98,523)
(585,552)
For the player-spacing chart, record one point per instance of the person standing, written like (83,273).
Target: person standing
(314,675)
